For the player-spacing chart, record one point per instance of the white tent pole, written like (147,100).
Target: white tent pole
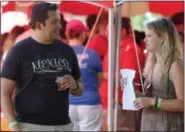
(111,69)
(122,1)
(118,38)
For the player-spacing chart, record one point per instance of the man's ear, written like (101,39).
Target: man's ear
(38,25)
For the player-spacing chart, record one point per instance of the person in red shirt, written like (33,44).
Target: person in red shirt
(128,60)
(99,41)
(90,21)
(178,21)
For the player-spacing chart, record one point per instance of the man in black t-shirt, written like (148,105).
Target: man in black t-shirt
(42,70)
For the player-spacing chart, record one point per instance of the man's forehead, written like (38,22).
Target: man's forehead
(53,15)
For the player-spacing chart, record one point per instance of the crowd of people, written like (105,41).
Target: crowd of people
(58,73)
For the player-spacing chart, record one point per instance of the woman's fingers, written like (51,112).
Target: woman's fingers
(122,83)
(138,104)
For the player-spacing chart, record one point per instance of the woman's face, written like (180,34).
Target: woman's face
(152,40)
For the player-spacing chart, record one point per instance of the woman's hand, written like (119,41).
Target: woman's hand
(144,102)
(123,82)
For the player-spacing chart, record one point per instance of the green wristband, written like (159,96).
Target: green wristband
(159,103)
(14,123)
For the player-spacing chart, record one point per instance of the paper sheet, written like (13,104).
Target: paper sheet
(128,91)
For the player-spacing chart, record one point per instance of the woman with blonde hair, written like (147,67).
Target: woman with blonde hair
(163,103)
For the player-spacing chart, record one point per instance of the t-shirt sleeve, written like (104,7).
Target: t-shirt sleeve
(97,62)
(11,65)
(75,67)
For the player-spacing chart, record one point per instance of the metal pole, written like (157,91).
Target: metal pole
(118,38)
(1,49)
(121,2)
(111,69)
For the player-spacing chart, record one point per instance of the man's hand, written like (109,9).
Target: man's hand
(78,90)
(66,82)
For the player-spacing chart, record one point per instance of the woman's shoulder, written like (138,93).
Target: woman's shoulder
(177,63)
(177,67)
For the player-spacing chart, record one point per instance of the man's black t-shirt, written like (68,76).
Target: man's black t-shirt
(35,67)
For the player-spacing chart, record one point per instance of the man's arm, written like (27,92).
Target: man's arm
(7,87)
(9,76)
(77,88)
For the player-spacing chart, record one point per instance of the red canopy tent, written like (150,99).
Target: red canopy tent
(167,8)
(8,6)
(84,8)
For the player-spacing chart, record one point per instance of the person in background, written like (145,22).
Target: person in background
(91,19)
(10,40)
(28,32)
(129,48)
(99,42)
(42,70)
(178,21)
(3,38)
(163,102)
(127,120)
(85,111)
(62,35)
(140,36)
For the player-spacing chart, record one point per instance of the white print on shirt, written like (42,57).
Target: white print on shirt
(82,57)
(50,65)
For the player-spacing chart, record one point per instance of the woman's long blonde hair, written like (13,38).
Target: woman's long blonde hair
(170,50)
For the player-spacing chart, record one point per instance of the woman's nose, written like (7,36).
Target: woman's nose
(144,40)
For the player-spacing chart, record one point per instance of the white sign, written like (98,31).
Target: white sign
(128,91)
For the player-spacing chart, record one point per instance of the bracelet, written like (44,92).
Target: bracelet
(159,103)
(14,123)
(76,86)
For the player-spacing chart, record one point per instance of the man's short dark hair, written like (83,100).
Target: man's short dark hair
(178,18)
(91,19)
(125,23)
(39,12)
